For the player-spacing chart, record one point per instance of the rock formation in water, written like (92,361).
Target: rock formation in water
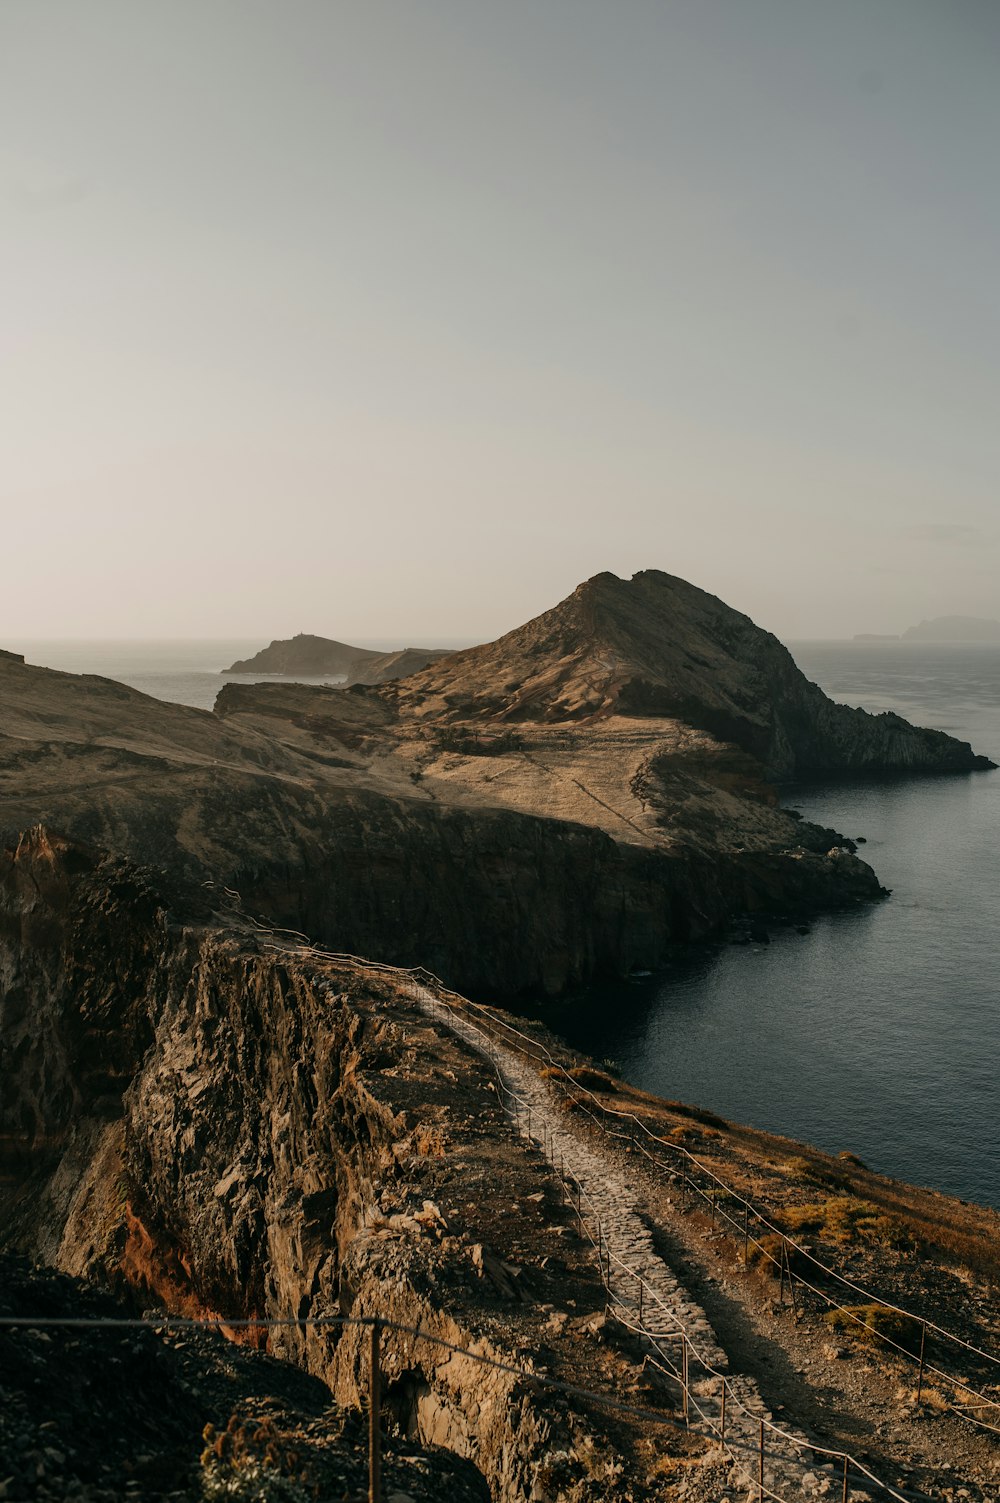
(569,801)
(321,657)
(954,629)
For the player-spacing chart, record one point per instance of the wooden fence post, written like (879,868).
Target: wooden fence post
(375,1415)
(920,1369)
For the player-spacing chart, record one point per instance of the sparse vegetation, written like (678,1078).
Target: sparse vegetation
(876,1323)
(812,1172)
(770,1254)
(251,1462)
(471,744)
(843,1219)
(584,1075)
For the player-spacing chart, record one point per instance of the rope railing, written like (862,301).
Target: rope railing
(716,1426)
(925,1367)
(453,999)
(456,1004)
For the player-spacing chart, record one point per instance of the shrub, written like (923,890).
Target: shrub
(250,1462)
(874,1323)
(813,1173)
(844,1219)
(768,1254)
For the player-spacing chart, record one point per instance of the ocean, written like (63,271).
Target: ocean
(877,1032)
(186,672)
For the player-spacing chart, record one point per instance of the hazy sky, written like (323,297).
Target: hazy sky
(390,317)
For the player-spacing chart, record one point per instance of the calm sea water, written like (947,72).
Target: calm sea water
(185,672)
(879,1031)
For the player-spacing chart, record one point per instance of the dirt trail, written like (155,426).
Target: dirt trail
(669,1322)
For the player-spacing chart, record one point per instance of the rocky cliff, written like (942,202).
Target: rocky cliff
(567,802)
(200,1117)
(655,646)
(214,1120)
(321,657)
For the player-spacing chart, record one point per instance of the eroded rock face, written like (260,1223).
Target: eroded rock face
(199,1116)
(567,802)
(656,646)
(103,1415)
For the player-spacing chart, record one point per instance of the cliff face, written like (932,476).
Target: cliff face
(566,802)
(195,1114)
(212,1119)
(656,646)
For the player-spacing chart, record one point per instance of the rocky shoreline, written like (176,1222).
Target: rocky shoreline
(211,1119)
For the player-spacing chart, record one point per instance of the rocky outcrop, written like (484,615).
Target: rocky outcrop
(565,803)
(321,657)
(201,1117)
(315,656)
(105,1415)
(408,864)
(656,646)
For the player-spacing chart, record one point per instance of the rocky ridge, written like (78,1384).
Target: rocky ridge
(322,657)
(577,796)
(213,1119)
(202,1119)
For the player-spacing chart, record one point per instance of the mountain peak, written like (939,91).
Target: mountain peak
(656,647)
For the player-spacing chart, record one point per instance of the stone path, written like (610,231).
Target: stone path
(672,1326)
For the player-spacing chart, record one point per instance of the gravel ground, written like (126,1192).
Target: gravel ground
(105,1416)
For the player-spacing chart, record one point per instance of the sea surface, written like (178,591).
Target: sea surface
(877,1032)
(187,672)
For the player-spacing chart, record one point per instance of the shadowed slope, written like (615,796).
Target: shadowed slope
(656,646)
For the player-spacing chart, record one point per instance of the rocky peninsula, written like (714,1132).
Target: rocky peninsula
(211,1116)
(566,802)
(321,657)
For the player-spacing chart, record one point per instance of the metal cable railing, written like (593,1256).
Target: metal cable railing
(378,1326)
(714,1424)
(458,1005)
(567,1082)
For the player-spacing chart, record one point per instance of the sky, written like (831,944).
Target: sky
(399,318)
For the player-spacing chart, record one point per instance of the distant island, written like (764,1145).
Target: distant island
(954,629)
(940,629)
(321,657)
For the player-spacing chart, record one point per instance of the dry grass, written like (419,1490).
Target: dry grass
(585,1076)
(843,1220)
(876,1324)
